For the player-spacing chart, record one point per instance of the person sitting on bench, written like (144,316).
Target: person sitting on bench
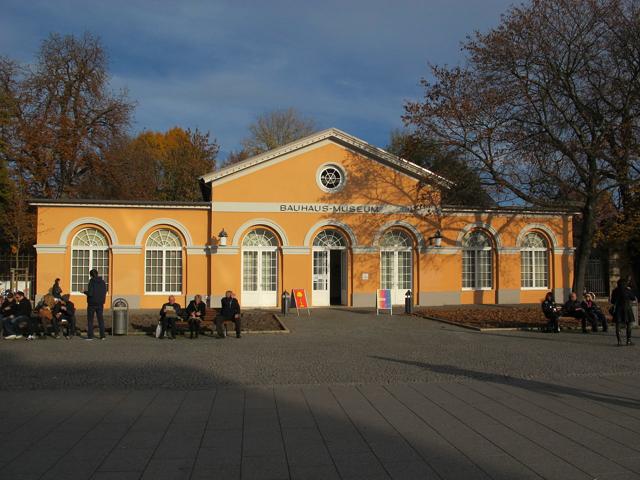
(196,312)
(230,312)
(593,312)
(22,313)
(64,314)
(169,314)
(573,308)
(551,312)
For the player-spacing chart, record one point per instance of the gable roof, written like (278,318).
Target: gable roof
(339,137)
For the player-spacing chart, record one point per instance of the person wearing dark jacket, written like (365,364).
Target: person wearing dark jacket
(230,311)
(96,293)
(551,312)
(7,310)
(196,310)
(56,289)
(64,313)
(573,308)
(621,299)
(169,314)
(593,312)
(21,313)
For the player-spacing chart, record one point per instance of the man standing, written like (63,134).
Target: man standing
(96,294)
(230,312)
(168,316)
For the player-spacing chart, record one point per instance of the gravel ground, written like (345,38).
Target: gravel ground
(332,346)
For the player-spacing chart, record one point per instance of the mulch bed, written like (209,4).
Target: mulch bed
(498,316)
(146,321)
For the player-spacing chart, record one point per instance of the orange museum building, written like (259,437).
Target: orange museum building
(328,213)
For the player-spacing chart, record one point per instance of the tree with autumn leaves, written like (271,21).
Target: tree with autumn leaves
(65,134)
(546,108)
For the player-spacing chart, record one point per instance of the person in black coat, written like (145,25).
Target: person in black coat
(56,289)
(64,313)
(169,314)
(621,299)
(21,313)
(551,312)
(7,310)
(230,311)
(96,293)
(573,308)
(196,310)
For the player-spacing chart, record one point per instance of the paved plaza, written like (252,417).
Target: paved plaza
(345,395)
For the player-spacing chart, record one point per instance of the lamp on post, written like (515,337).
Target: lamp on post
(436,240)
(222,238)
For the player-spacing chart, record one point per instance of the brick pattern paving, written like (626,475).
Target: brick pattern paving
(581,428)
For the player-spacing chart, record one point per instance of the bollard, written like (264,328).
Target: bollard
(408,303)
(285,302)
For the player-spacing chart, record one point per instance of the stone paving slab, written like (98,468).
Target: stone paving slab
(472,429)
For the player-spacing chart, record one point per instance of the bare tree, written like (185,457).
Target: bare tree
(547,105)
(276,128)
(63,114)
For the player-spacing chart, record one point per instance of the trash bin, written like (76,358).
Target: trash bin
(285,302)
(120,312)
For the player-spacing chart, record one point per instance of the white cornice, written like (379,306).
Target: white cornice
(296,250)
(338,136)
(126,249)
(50,248)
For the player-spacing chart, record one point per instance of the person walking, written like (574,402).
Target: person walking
(621,299)
(230,312)
(96,293)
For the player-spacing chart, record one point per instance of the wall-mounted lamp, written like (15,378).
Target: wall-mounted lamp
(436,240)
(222,238)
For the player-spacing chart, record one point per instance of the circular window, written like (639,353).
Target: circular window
(331,178)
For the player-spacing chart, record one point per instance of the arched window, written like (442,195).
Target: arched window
(163,262)
(330,239)
(534,266)
(89,249)
(260,237)
(477,262)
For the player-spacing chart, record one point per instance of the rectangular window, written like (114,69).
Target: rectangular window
(163,271)
(83,260)
(477,269)
(250,271)
(320,270)
(386,272)
(534,269)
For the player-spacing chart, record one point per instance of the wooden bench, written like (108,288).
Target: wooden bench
(208,323)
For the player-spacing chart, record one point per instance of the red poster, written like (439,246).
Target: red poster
(300,298)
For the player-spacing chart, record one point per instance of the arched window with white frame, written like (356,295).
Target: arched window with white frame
(163,263)
(534,264)
(89,250)
(477,261)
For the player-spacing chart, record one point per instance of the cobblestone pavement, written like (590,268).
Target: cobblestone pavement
(346,395)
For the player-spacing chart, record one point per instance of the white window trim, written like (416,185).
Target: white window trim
(162,249)
(533,268)
(91,250)
(336,166)
(477,272)
(259,250)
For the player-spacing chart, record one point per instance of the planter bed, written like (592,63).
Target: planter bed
(527,316)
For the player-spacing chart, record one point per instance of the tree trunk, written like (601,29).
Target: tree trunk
(583,251)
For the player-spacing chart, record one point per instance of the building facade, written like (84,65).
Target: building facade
(328,213)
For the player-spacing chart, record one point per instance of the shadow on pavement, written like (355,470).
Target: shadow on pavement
(538,386)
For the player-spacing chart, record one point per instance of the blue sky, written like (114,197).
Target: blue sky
(215,65)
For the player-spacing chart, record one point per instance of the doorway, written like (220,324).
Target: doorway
(335,277)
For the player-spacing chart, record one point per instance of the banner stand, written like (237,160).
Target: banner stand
(300,300)
(383,301)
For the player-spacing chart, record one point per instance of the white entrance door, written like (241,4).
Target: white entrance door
(320,294)
(259,278)
(396,269)
(326,245)
(259,269)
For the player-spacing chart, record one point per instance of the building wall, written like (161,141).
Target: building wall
(283,196)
